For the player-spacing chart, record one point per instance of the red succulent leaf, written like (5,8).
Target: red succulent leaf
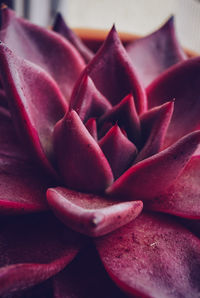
(87,101)
(32,249)
(182,198)
(154,53)
(91,126)
(154,124)
(42,47)
(9,143)
(154,175)
(62,28)
(32,92)
(113,74)
(91,214)
(85,277)
(81,161)
(119,151)
(125,115)
(22,187)
(153,256)
(181,82)
(3,99)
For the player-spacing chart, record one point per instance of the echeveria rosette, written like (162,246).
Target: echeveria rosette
(100,154)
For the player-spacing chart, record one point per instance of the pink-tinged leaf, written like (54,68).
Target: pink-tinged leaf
(154,124)
(32,249)
(119,151)
(113,74)
(35,101)
(154,53)
(125,115)
(43,47)
(91,126)
(22,187)
(182,198)
(153,256)
(62,28)
(85,277)
(81,162)
(153,176)
(87,101)
(91,214)
(181,82)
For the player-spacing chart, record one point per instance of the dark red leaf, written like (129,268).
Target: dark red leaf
(85,277)
(81,161)
(43,47)
(113,74)
(87,101)
(153,256)
(154,53)
(91,126)
(154,175)
(182,198)
(36,103)
(62,28)
(91,214)
(119,151)
(181,82)
(154,124)
(32,249)
(125,115)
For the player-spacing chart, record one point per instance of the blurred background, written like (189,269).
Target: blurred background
(135,16)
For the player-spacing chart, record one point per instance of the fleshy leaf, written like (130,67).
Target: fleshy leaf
(87,101)
(119,151)
(154,124)
(181,82)
(22,187)
(43,47)
(113,74)
(153,256)
(62,28)
(9,143)
(32,249)
(91,126)
(125,115)
(91,214)
(85,277)
(81,162)
(154,53)
(35,101)
(154,175)
(182,198)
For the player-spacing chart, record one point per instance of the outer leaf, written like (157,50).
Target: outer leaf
(42,47)
(119,151)
(154,175)
(154,53)
(22,187)
(81,162)
(91,214)
(183,198)
(85,277)
(61,27)
(153,256)
(35,100)
(113,73)
(181,82)
(33,249)
(154,124)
